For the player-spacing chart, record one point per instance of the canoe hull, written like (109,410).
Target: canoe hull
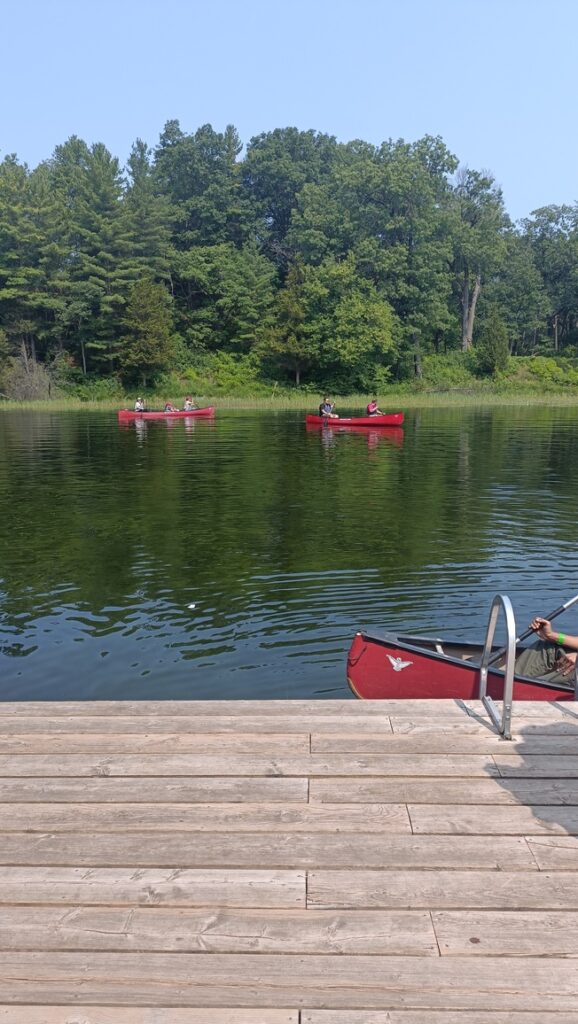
(394,419)
(125,415)
(387,667)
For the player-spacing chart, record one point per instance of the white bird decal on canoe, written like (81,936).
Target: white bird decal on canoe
(398,664)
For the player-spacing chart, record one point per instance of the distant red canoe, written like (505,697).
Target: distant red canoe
(125,415)
(386,666)
(394,419)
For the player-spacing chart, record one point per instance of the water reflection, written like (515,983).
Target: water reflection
(140,429)
(236,557)
(375,436)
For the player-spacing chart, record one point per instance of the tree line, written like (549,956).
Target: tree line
(302,260)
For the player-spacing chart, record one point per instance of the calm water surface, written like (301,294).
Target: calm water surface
(236,558)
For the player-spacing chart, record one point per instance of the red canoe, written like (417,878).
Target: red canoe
(127,414)
(385,666)
(394,419)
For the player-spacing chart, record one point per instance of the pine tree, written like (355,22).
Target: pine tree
(90,187)
(148,216)
(147,345)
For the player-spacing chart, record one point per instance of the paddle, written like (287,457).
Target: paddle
(528,632)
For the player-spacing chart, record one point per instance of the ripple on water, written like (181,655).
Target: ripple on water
(237,558)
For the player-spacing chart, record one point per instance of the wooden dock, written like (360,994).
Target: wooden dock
(328,862)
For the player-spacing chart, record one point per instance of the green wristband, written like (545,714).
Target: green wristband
(561,639)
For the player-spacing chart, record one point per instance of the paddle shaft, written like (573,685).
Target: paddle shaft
(528,632)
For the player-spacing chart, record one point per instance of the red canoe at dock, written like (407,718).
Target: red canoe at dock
(394,419)
(125,415)
(386,666)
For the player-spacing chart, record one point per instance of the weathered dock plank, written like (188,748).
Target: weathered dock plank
(243,980)
(536,766)
(152,887)
(167,789)
(474,792)
(557,724)
(236,708)
(512,933)
(256,1015)
(156,743)
(429,741)
(216,930)
(502,821)
(442,889)
(285,850)
(236,817)
(556,853)
(238,765)
(417,1017)
(58,725)
(142,1015)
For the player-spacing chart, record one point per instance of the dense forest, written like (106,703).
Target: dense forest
(300,261)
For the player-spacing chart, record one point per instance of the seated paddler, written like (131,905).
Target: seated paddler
(373,408)
(326,409)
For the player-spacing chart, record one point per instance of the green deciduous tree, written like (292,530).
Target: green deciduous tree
(478,226)
(387,206)
(519,294)
(277,166)
(227,296)
(200,177)
(332,321)
(553,235)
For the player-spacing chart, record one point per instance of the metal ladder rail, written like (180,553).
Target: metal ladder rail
(502,722)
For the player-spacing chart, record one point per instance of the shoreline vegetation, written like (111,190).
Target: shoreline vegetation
(391,401)
(294,264)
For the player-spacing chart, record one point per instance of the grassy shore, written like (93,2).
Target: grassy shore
(390,402)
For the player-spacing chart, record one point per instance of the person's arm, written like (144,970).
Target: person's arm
(545,631)
(566,641)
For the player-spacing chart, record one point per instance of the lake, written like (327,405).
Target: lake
(235,558)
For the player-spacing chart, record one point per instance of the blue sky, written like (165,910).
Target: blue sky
(497,80)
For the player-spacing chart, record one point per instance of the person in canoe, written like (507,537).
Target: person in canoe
(169,407)
(139,405)
(373,409)
(326,409)
(190,404)
(552,657)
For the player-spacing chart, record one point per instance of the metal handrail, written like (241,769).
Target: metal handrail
(502,722)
